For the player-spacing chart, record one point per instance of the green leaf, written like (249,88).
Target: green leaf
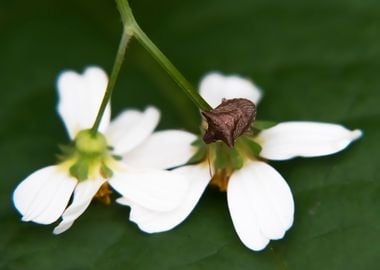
(314,60)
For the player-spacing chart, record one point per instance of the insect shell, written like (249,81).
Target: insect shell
(229,120)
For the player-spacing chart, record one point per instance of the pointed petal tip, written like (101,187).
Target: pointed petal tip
(305,139)
(62,227)
(356,134)
(83,195)
(25,219)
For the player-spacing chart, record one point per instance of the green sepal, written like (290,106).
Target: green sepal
(80,169)
(61,157)
(221,156)
(237,160)
(117,157)
(252,147)
(66,149)
(105,171)
(66,152)
(261,125)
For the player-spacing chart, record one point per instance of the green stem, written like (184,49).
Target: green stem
(125,38)
(132,26)
(171,70)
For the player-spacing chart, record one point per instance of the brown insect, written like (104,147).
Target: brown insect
(229,120)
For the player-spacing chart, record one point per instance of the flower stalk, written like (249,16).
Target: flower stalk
(132,27)
(125,38)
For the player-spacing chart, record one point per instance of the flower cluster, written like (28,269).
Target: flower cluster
(162,175)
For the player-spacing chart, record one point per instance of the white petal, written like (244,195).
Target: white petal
(43,195)
(304,139)
(131,128)
(80,97)
(83,194)
(154,189)
(157,221)
(163,150)
(261,204)
(214,87)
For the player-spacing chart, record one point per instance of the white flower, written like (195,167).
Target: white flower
(90,164)
(259,199)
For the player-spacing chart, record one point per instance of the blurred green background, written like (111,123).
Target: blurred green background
(315,60)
